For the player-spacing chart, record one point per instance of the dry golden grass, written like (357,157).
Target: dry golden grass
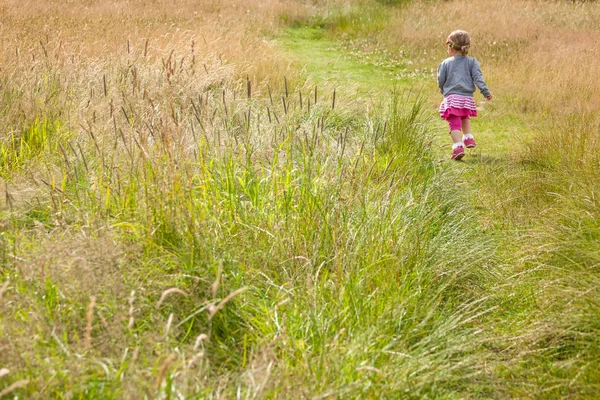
(541,55)
(96,35)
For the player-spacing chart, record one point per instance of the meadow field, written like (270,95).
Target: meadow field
(254,199)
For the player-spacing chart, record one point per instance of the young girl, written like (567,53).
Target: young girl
(457,77)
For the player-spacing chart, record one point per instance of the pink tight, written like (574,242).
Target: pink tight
(456,122)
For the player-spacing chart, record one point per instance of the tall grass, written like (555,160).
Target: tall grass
(196,231)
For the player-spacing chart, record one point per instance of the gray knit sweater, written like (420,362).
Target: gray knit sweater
(459,75)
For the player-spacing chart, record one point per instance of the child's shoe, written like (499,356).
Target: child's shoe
(469,142)
(458,152)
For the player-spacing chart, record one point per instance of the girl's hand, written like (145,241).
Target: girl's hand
(489,98)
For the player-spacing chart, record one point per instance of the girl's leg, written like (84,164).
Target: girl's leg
(456,135)
(468,139)
(455,128)
(458,148)
(466,125)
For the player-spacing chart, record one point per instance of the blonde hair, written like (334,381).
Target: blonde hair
(461,41)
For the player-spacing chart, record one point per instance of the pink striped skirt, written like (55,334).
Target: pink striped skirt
(457,105)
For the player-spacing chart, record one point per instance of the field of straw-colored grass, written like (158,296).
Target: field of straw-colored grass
(187,214)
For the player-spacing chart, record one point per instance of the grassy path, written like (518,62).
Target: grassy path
(324,60)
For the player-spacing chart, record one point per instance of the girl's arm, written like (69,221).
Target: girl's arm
(477,76)
(441,77)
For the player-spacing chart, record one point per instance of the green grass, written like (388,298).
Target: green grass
(325,60)
(333,239)
(20,147)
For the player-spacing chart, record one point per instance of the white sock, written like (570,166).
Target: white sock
(455,145)
(468,136)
